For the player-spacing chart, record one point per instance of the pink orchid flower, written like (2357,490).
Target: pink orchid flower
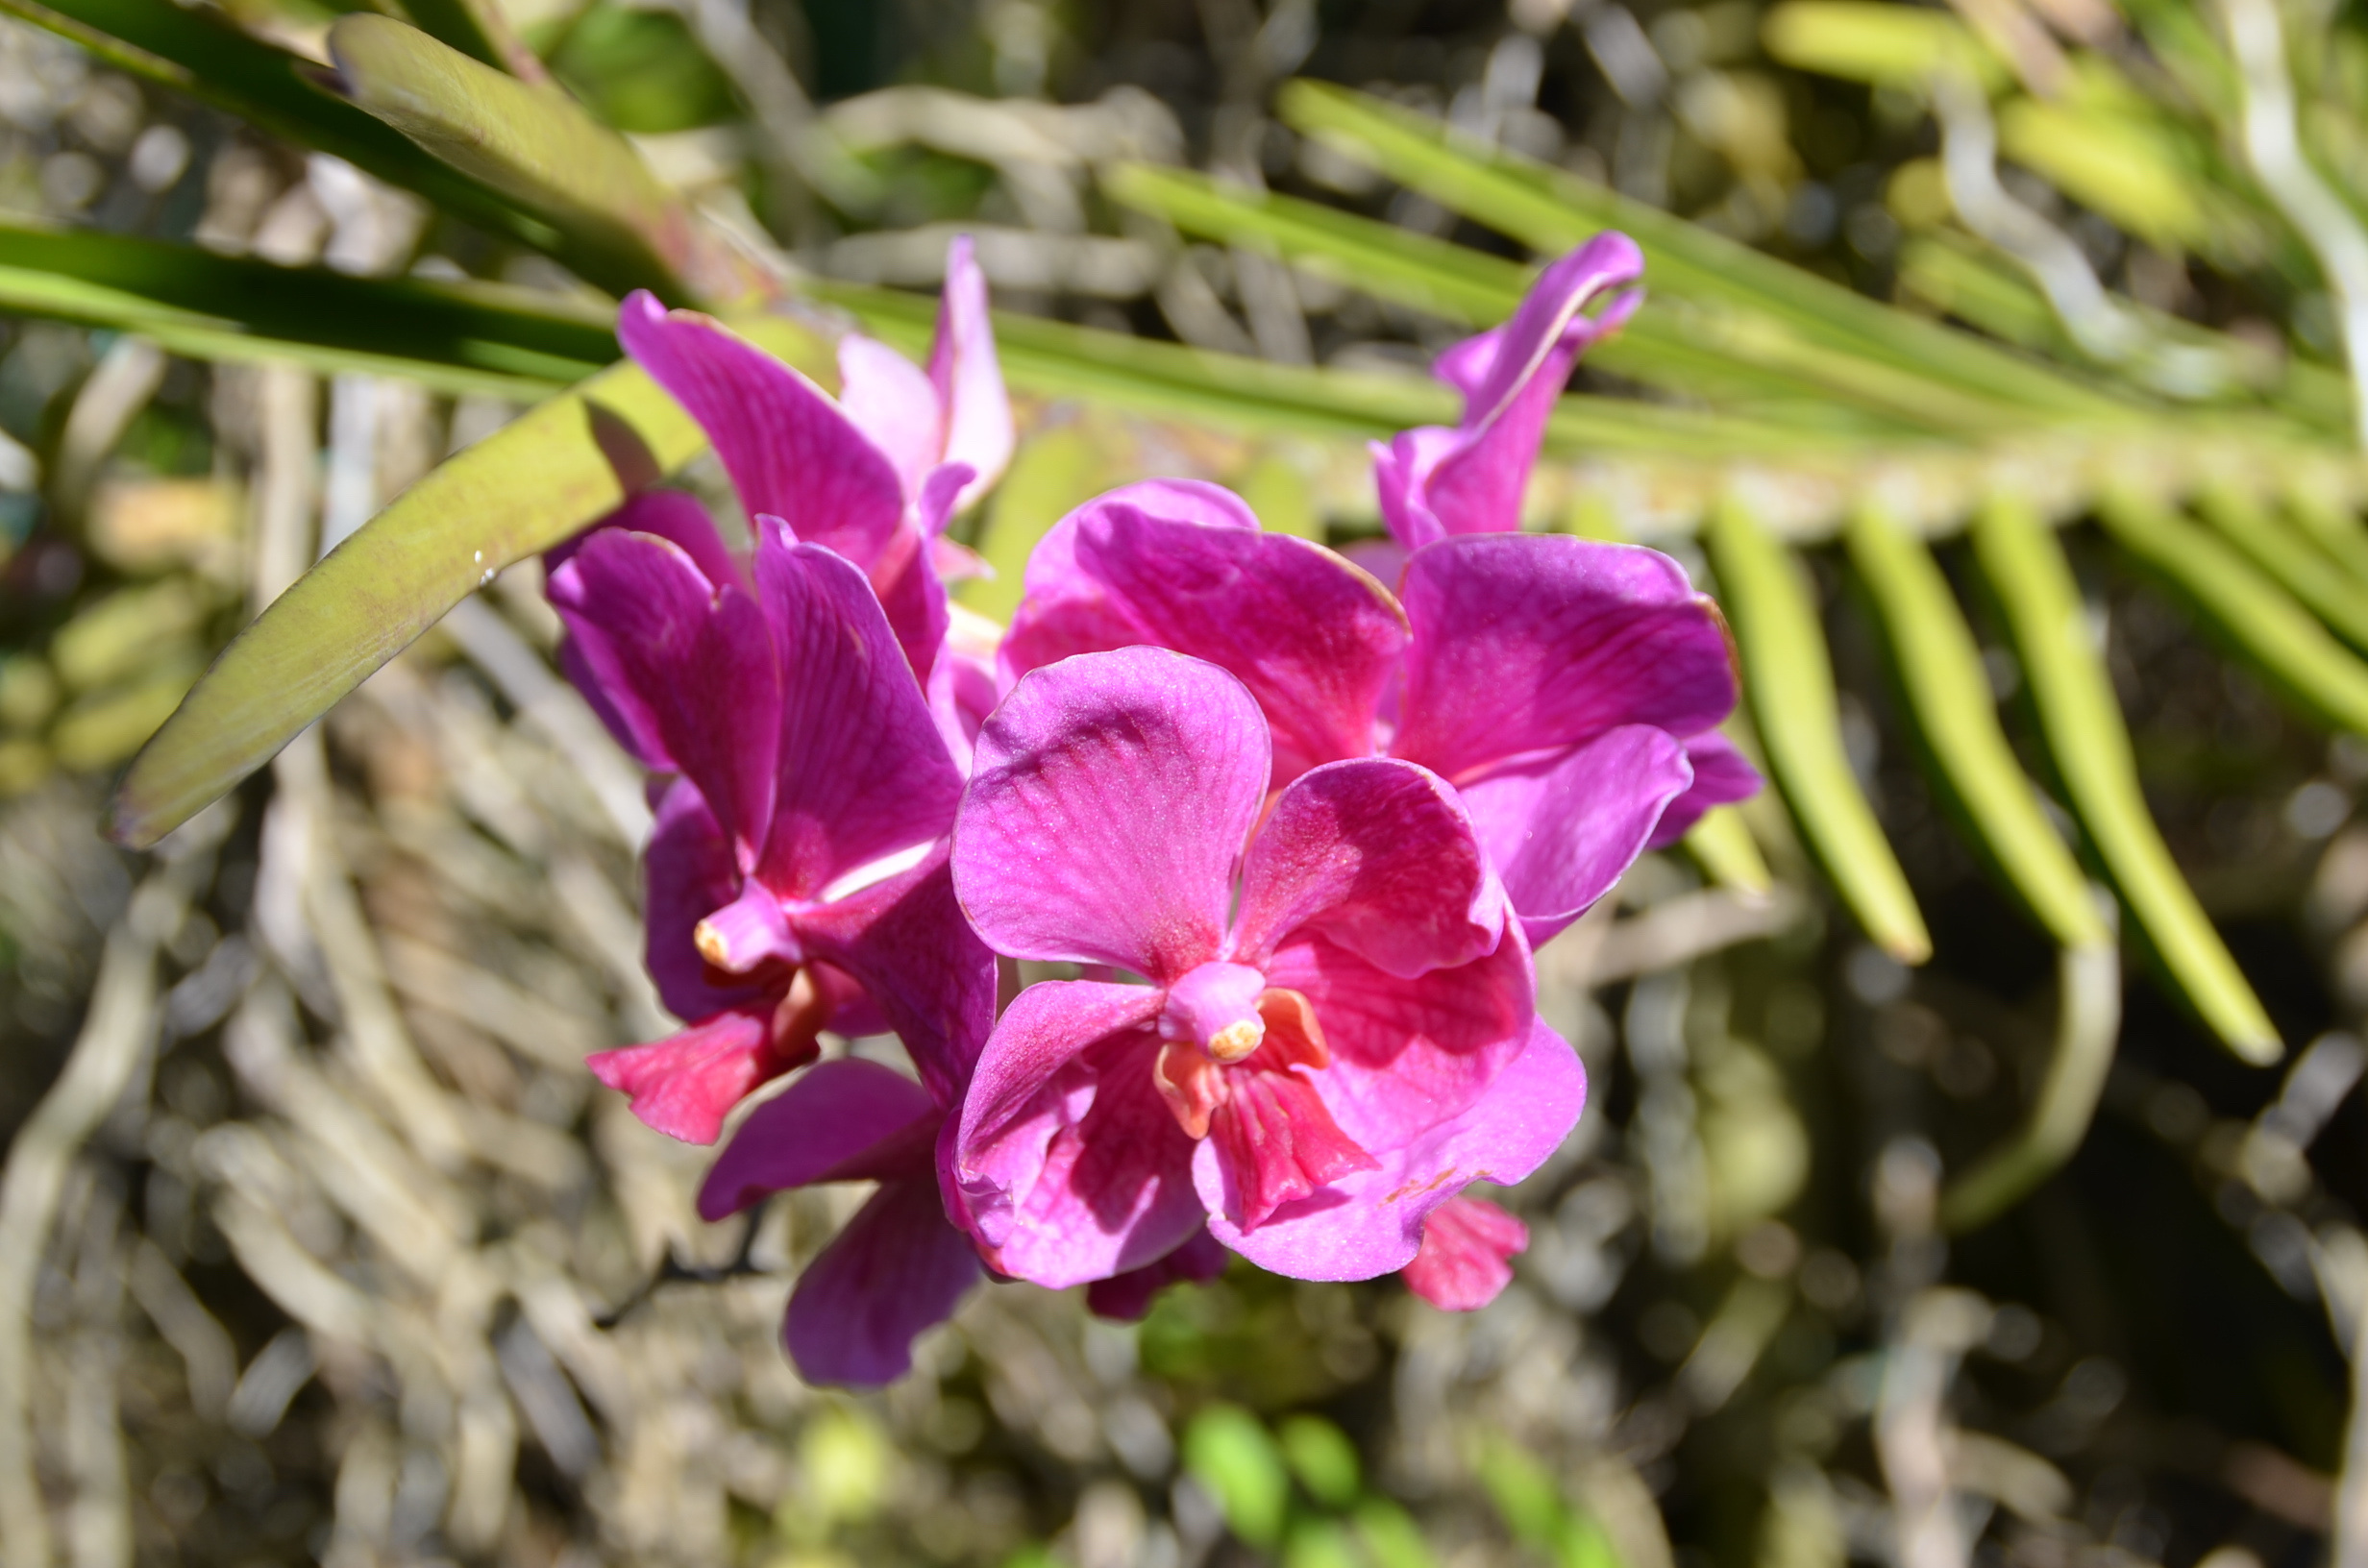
(1567,688)
(796,873)
(876,475)
(1437,482)
(1468,1245)
(1309,1071)
(898,1267)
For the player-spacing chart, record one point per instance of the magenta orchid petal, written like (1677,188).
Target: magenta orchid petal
(1067,1165)
(968,377)
(1183,567)
(688,874)
(684,1085)
(791,452)
(1721,777)
(1379,857)
(1529,644)
(896,1270)
(1109,800)
(890,400)
(1477,487)
(673,516)
(1563,829)
(938,491)
(1406,1053)
(1371,1223)
(845,1120)
(690,665)
(1468,1245)
(861,770)
(1125,1298)
(905,941)
(1435,483)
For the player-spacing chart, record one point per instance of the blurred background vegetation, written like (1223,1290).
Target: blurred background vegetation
(317,1242)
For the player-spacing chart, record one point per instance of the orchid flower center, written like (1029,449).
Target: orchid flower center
(1217,1020)
(1215,1006)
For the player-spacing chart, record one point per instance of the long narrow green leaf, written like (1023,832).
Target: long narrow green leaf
(2334,527)
(193,49)
(1788,681)
(535,147)
(1551,211)
(1948,698)
(2090,745)
(1232,392)
(2292,558)
(518,492)
(2245,607)
(452,338)
(1702,351)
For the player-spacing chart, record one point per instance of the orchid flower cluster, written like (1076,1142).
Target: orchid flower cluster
(1298,820)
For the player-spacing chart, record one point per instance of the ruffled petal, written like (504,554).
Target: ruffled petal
(1109,800)
(1561,831)
(846,1121)
(1468,1245)
(1278,1145)
(863,773)
(689,664)
(1181,564)
(1721,777)
(905,941)
(896,1270)
(1125,1298)
(685,1085)
(1531,643)
(968,377)
(791,452)
(1067,1165)
(1407,1054)
(1379,857)
(1371,1223)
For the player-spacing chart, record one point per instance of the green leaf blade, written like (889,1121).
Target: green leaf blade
(1788,682)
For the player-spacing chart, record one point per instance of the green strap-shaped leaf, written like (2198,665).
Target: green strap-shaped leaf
(2088,1024)
(534,146)
(2291,557)
(451,336)
(1233,392)
(518,492)
(1713,351)
(191,49)
(2248,611)
(1551,211)
(2333,527)
(2089,745)
(1788,681)
(1948,698)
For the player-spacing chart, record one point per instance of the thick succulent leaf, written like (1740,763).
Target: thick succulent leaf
(516,493)
(1788,680)
(1948,699)
(454,338)
(542,152)
(193,49)
(2089,744)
